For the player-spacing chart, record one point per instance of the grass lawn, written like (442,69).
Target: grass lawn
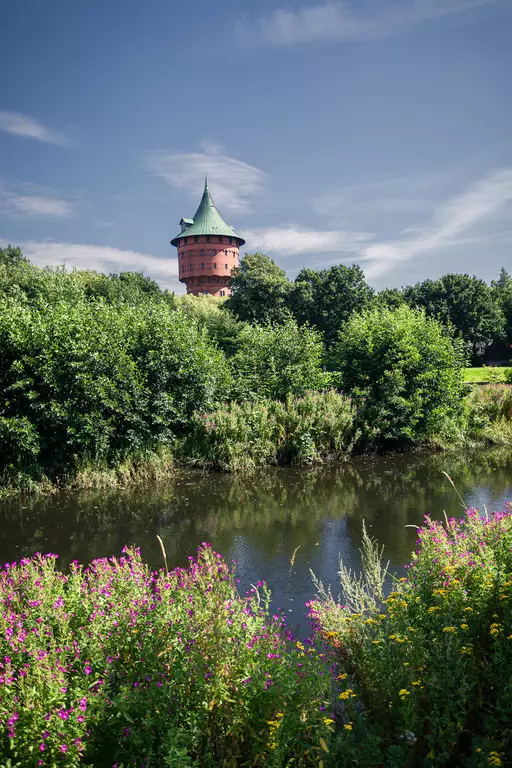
(483,374)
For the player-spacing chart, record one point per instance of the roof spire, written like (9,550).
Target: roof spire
(206,182)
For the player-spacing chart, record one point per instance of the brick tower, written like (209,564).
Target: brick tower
(207,250)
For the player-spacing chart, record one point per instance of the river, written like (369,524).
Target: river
(261,521)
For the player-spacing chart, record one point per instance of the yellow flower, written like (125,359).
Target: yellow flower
(403,693)
(433,608)
(466,650)
(348,726)
(328,720)
(509,637)
(342,677)
(449,629)
(468,608)
(494,759)
(463,626)
(346,694)
(370,621)
(411,629)
(382,615)
(299,646)
(416,682)
(376,642)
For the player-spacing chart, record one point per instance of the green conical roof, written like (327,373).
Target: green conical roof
(207,221)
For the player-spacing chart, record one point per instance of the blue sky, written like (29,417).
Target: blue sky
(368,131)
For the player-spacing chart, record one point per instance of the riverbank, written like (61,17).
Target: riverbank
(116,664)
(304,432)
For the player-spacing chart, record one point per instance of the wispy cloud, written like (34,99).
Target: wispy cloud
(454,221)
(294,240)
(13,204)
(356,21)
(30,128)
(103,259)
(233,183)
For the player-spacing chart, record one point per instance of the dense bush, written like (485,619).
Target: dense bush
(425,673)
(404,373)
(274,361)
(92,383)
(299,431)
(113,665)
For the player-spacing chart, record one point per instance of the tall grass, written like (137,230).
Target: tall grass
(489,414)
(300,431)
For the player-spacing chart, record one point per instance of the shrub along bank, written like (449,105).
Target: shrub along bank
(114,665)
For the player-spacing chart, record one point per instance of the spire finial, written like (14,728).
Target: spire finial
(205,182)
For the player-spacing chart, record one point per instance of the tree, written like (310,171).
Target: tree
(465,303)
(404,373)
(327,298)
(259,291)
(502,291)
(276,360)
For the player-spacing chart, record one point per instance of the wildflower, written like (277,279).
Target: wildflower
(468,608)
(416,682)
(433,608)
(64,748)
(346,694)
(494,759)
(342,677)
(348,726)
(403,693)
(463,626)
(376,642)
(449,629)
(328,720)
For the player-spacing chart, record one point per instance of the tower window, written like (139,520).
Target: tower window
(202,252)
(226,253)
(223,293)
(230,240)
(225,266)
(215,266)
(208,239)
(220,238)
(202,266)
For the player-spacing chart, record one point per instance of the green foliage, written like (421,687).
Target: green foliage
(211,312)
(259,291)
(502,290)
(489,414)
(95,383)
(115,665)
(300,431)
(274,361)
(404,373)
(327,298)
(465,303)
(425,673)
(18,277)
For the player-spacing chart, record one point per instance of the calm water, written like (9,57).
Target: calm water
(260,522)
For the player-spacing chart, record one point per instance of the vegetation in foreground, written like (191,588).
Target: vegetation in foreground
(114,665)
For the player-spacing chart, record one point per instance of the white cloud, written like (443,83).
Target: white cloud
(293,240)
(30,128)
(356,21)
(13,204)
(232,182)
(103,259)
(454,221)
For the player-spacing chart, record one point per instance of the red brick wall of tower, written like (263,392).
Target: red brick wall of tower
(205,263)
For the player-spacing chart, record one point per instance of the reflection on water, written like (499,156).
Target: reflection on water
(261,521)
